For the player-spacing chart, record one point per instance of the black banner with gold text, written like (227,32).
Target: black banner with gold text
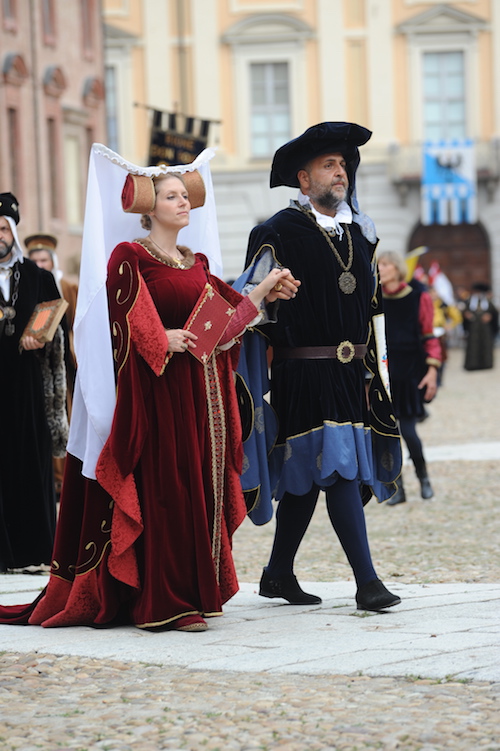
(174,145)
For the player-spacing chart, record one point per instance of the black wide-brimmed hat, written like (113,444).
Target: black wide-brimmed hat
(9,206)
(324,138)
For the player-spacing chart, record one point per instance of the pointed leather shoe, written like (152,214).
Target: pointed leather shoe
(286,587)
(375,596)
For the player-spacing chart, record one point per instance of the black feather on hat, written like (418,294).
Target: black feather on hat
(324,138)
(9,206)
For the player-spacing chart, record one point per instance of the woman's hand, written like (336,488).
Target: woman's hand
(179,340)
(429,383)
(29,342)
(279,284)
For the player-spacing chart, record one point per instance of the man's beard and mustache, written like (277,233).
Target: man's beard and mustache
(325,198)
(5,249)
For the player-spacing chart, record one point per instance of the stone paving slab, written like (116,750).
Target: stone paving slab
(439,630)
(467,452)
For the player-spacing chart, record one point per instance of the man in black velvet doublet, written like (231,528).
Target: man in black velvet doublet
(328,344)
(27,497)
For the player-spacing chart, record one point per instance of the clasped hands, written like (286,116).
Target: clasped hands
(283,285)
(279,284)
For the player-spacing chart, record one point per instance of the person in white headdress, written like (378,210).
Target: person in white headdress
(148,542)
(27,498)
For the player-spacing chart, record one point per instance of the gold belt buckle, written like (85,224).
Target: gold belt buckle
(345,358)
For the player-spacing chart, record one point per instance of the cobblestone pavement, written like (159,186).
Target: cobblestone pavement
(454,537)
(49,702)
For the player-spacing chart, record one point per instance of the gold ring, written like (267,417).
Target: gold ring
(278,287)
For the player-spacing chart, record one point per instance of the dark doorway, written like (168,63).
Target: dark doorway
(462,251)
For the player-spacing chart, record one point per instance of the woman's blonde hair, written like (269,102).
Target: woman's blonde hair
(397,260)
(145,218)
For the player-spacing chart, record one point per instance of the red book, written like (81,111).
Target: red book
(45,319)
(208,320)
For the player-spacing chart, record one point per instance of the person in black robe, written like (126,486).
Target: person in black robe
(27,497)
(328,345)
(480,322)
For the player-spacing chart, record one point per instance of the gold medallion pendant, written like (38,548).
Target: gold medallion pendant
(347,282)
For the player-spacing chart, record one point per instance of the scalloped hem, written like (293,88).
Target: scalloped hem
(323,454)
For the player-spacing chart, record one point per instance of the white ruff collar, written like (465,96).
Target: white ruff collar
(344,214)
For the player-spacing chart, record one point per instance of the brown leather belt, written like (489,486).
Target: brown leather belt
(344,352)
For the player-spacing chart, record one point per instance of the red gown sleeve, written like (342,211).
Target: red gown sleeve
(133,315)
(426,321)
(244,313)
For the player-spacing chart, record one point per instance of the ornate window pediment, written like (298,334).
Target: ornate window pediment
(93,91)
(267,28)
(54,81)
(442,19)
(14,69)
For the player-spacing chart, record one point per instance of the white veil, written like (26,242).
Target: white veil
(106,225)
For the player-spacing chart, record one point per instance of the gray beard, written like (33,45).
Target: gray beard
(5,249)
(326,200)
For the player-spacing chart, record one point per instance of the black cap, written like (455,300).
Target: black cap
(324,138)
(481,287)
(9,206)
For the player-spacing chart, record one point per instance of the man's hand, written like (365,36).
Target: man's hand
(29,342)
(429,383)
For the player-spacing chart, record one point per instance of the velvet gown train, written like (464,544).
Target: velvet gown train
(150,540)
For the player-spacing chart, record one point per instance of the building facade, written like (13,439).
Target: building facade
(51,110)
(413,71)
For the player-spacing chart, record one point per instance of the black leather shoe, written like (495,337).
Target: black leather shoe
(288,588)
(426,490)
(399,496)
(374,596)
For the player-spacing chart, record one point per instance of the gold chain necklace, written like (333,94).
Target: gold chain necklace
(169,260)
(347,280)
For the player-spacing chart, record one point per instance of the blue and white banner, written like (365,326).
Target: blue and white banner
(449,190)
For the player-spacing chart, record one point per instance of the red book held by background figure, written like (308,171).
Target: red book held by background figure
(208,320)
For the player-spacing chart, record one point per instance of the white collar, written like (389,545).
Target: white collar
(344,214)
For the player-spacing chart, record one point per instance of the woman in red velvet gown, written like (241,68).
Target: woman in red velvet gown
(149,542)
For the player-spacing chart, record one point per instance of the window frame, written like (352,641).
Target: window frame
(269,109)
(244,56)
(446,42)
(49,35)
(10,19)
(14,142)
(444,96)
(87,14)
